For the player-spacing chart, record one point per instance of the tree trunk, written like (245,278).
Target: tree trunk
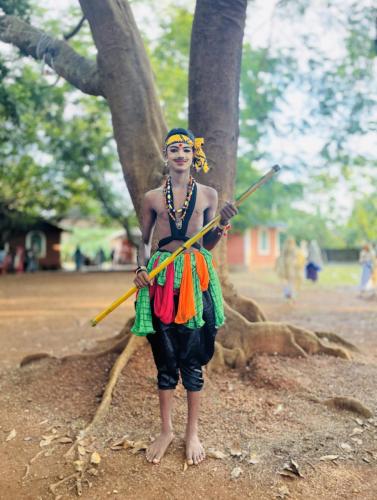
(214,81)
(128,83)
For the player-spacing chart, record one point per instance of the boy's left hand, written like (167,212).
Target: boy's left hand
(228,211)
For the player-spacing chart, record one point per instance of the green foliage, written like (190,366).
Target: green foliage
(341,83)
(50,164)
(169,56)
(362,225)
(264,79)
(20,8)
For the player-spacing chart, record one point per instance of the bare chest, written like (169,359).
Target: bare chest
(195,220)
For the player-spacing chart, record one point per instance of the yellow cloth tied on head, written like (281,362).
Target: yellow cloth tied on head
(200,159)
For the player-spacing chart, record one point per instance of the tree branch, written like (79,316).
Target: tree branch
(77,70)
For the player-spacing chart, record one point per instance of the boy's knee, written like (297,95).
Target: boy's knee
(192,378)
(167,379)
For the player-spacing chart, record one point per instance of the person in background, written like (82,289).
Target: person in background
(367,259)
(301,258)
(6,259)
(32,260)
(19,259)
(286,267)
(78,258)
(314,262)
(100,258)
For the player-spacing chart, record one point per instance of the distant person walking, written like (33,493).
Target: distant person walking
(286,267)
(367,259)
(100,258)
(6,259)
(78,258)
(314,263)
(301,258)
(31,260)
(19,259)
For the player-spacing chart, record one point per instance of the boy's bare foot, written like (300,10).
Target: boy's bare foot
(194,450)
(157,449)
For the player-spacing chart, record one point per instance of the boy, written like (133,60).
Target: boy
(181,311)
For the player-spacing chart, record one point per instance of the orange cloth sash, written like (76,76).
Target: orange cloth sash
(186,304)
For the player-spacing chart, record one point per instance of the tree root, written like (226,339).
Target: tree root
(333,337)
(33,358)
(53,487)
(239,334)
(344,403)
(350,404)
(245,306)
(113,345)
(132,346)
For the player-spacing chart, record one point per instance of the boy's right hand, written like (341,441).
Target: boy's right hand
(142,280)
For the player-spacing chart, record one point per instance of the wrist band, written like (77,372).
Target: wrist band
(222,226)
(140,269)
(223,229)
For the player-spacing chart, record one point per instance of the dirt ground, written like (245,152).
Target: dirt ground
(260,420)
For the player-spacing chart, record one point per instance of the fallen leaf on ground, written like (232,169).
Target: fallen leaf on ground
(95,458)
(47,440)
(216,454)
(185,466)
(366,459)
(357,440)
(49,452)
(11,435)
(253,459)
(356,431)
(278,409)
(139,446)
(287,473)
(329,458)
(346,447)
(116,448)
(78,487)
(81,450)
(120,442)
(64,440)
(291,469)
(236,451)
(283,492)
(78,465)
(236,472)
(93,471)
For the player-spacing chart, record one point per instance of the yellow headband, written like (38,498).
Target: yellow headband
(200,160)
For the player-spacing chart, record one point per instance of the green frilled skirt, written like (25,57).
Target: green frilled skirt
(143,322)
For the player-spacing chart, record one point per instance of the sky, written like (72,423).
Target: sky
(265,28)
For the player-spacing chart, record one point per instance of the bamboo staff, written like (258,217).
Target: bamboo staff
(187,244)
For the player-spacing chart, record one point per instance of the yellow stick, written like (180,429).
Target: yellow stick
(187,244)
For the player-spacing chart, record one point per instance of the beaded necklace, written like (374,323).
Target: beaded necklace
(179,214)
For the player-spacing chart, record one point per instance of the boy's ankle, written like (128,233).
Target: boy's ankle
(167,430)
(191,430)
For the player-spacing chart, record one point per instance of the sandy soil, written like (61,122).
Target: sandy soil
(260,420)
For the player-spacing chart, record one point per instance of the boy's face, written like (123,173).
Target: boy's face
(179,156)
